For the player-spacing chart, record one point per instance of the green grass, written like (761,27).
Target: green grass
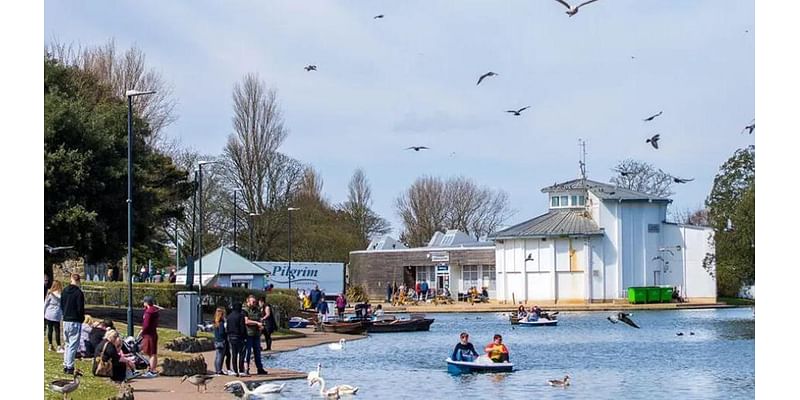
(736,301)
(91,387)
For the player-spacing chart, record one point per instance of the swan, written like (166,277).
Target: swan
(337,346)
(314,374)
(559,383)
(264,388)
(334,391)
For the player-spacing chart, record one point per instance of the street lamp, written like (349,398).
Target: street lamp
(252,253)
(200,239)
(235,219)
(290,209)
(130,94)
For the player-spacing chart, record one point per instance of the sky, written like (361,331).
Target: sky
(408,79)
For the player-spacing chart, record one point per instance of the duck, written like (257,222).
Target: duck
(198,380)
(65,386)
(264,388)
(314,374)
(337,346)
(559,383)
(335,391)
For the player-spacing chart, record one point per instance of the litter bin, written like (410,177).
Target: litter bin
(187,313)
(637,295)
(666,294)
(653,294)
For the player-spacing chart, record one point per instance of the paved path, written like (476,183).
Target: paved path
(168,387)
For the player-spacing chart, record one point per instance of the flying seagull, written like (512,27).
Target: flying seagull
(310,68)
(624,317)
(378,16)
(681,180)
(652,117)
(654,140)
(517,112)
(51,249)
(486,75)
(574,10)
(750,128)
(417,148)
(530,257)
(622,172)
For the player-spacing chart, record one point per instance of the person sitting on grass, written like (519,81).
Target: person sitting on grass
(464,350)
(496,350)
(109,350)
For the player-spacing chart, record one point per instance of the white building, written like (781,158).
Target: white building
(595,242)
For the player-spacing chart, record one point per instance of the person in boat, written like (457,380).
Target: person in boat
(378,311)
(537,313)
(464,350)
(521,311)
(496,350)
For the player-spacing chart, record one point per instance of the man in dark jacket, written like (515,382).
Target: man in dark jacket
(315,296)
(252,320)
(237,335)
(72,310)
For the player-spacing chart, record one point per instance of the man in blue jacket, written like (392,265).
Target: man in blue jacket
(424,290)
(72,303)
(315,296)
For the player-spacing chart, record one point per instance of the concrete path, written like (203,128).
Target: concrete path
(168,387)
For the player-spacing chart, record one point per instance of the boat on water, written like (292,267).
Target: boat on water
(400,325)
(481,364)
(351,328)
(541,321)
(297,322)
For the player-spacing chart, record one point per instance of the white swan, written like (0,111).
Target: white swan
(314,374)
(334,391)
(337,346)
(263,388)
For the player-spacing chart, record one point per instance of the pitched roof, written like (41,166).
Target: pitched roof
(554,223)
(385,242)
(225,261)
(604,191)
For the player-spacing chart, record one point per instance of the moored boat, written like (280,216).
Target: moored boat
(400,325)
(352,328)
(468,367)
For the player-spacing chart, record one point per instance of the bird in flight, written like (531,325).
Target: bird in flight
(530,257)
(681,180)
(624,317)
(51,249)
(750,128)
(574,10)
(622,172)
(417,148)
(378,16)
(517,112)
(486,75)
(654,140)
(652,117)
(310,68)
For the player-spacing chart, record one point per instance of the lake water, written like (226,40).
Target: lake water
(604,361)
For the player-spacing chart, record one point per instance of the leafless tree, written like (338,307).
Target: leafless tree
(359,207)
(423,210)
(642,177)
(121,72)
(691,217)
(311,185)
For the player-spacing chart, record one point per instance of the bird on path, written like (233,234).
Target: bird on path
(417,148)
(559,382)
(517,112)
(681,180)
(486,75)
(654,140)
(67,386)
(574,10)
(378,16)
(652,117)
(198,380)
(310,68)
(624,317)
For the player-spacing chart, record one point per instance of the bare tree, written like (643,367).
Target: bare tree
(122,72)
(311,185)
(691,217)
(423,209)
(359,208)
(642,177)
(268,178)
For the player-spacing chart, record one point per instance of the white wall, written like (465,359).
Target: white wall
(699,283)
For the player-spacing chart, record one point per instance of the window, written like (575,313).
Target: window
(425,274)
(564,201)
(581,200)
(469,277)
(240,284)
(489,277)
(554,201)
(574,200)
(653,228)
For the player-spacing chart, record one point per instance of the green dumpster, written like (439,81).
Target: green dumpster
(666,294)
(637,295)
(653,294)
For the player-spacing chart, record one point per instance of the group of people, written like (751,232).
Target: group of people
(237,336)
(465,351)
(534,313)
(315,300)
(475,295)
(85,337)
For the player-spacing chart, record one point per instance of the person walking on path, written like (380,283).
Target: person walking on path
(52,315)
(322,311)
(315,296)
(72,302)
(269,323)
(149,335)
(341,303)
(252,318)
(237,334)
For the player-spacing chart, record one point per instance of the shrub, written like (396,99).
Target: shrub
(356,294)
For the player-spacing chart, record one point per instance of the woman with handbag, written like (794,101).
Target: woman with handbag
(107,360)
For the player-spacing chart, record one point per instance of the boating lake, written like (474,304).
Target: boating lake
(603,360)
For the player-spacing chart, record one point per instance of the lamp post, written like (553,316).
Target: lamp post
(252,253)
(200,238)
(130,94)
(235,219)
(190,259)
(290,209)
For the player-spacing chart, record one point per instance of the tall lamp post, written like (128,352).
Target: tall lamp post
(252,253)
(290,209)
(200,238)
(235,219)
(130,94)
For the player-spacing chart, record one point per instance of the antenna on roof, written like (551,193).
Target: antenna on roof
(582,160)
